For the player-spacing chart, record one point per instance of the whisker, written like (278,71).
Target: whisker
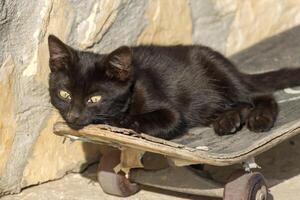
(102,116)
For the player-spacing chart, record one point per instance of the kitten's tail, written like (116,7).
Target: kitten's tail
(274,80)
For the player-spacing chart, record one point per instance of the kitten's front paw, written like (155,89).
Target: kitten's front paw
(135,126)
(260,120)
(130,124)
(227,123)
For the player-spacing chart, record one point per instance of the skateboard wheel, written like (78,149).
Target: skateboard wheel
(251,186)
(114,183)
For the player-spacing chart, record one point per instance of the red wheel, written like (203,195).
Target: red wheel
(251,186)
(111,182)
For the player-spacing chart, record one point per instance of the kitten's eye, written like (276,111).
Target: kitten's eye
(94,99)
(64,95)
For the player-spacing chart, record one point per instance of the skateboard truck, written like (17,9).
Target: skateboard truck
(250,164)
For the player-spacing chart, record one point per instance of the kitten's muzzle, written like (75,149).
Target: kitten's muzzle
(75,126)
(72,116)
(73,120)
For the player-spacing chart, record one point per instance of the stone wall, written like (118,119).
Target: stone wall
(29,152)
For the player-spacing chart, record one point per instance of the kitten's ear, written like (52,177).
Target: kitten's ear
(60,54)
(119,63)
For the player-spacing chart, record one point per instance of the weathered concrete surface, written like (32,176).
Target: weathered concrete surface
(29,153)
(280,166)
(78,187)
(281,171)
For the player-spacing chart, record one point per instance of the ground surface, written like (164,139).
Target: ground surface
(280,165)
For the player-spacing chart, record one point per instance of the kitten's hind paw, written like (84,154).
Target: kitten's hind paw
(260,120)
(228,123)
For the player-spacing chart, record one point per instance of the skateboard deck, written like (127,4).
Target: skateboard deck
(201,145)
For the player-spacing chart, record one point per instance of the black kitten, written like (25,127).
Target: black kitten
(162,90)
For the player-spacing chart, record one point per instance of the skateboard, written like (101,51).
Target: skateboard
(139,159)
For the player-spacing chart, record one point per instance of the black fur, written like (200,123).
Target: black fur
(163,90)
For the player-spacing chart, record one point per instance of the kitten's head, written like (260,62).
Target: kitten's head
(89,88)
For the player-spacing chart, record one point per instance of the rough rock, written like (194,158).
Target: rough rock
(256,20)
(169,23)
(212,21)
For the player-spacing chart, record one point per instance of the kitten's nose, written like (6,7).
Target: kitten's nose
(73,116)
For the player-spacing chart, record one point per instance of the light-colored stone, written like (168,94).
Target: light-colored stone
(211,22)
(7,117)
(257,20)
(52,156)
(233,25)
(97,23)
(169,22)
(126,28)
